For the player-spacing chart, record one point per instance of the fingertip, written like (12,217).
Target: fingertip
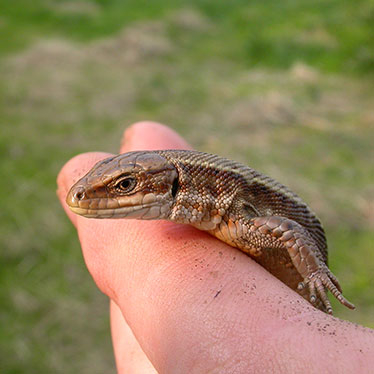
(151,136)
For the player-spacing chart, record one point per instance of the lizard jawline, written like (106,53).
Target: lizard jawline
(149,211)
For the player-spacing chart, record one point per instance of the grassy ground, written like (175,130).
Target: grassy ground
(285,87)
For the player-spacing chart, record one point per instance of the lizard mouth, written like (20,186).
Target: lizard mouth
(148,211)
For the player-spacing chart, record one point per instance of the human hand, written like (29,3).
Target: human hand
(185,302)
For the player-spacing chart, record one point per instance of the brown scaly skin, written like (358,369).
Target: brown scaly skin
(233,202)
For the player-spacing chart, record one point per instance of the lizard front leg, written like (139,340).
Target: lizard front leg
(275,232)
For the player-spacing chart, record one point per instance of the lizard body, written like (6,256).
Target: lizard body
(233,202)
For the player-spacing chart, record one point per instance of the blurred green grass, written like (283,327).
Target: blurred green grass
(284,87)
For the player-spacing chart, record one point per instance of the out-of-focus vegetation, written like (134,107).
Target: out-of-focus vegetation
(286,87)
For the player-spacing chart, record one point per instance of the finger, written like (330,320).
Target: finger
(198,305)
(130,358)
(203,298)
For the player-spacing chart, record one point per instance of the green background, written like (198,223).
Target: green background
(286,87)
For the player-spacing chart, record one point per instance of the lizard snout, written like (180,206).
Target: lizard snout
(75,195)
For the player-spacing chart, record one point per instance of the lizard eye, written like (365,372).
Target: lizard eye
(126,184)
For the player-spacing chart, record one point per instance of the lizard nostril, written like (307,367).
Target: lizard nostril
(79,195)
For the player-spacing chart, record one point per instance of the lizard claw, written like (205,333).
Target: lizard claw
(321,280)
(301,286)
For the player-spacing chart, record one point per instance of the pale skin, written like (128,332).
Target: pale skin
(182,301)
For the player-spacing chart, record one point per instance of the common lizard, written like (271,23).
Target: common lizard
(237,204)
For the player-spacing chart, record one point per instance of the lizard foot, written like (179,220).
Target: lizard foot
(321,280)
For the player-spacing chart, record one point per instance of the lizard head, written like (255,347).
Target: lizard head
(130,185)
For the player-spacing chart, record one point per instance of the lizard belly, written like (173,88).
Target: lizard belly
(233,233)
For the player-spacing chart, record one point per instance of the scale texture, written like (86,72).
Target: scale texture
(237,204)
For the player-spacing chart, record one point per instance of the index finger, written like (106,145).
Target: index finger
(197,305)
